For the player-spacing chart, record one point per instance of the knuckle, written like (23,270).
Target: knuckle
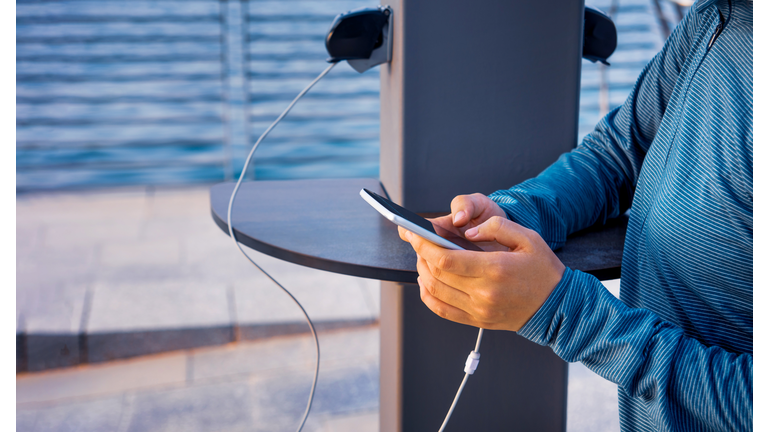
(495,222)
(430,286)
(444,263)
(487,299)
(440,311)
(425,295)
(436,272)
(484,313)
(478,196)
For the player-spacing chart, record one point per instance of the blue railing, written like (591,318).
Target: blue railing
(119,92)
(123,92)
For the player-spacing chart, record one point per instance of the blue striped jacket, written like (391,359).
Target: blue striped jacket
(679,153)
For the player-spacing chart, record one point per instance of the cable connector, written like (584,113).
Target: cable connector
(472,360)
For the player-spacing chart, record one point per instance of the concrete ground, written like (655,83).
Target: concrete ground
(254,385)
(108,275)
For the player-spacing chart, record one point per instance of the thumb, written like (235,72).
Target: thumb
(464,208)
(500,230)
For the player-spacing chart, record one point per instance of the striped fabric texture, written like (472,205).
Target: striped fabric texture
(679,153)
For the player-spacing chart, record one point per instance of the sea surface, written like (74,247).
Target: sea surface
(116,92)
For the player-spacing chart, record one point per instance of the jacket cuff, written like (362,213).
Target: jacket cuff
(537,328)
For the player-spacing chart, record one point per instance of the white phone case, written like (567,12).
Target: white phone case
(410,226)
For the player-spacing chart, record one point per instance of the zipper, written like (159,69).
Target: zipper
(718,30)
(654,197)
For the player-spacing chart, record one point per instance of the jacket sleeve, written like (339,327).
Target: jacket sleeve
(685,384)
(596,181)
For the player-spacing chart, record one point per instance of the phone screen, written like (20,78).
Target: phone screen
(427,225)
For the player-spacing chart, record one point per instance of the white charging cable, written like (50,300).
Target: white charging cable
(232,235)
(472,360)
(469,368)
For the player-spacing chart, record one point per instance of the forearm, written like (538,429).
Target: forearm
(596,181)
(590,184)
(682,381)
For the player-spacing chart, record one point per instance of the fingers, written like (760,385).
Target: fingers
(464,208)
(443,300)
(502,231)
(446,222)
(471,210)
(443,222)
(444,291)
(402,231)
(458,262)
(444,310)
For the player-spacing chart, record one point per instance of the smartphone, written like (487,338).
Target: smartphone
(417,224)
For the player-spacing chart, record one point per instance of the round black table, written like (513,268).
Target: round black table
(325,224)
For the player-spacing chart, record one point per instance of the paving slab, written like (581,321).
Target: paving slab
(54,308)
(363,422)
(220,406)
(45,267)
(157,304)
(97,380)
(284,354)
(135,271)
(95,415)
(262,387)
(141,253)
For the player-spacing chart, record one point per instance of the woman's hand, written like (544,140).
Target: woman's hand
(468,211)
(499,289)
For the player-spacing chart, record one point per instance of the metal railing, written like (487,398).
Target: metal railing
(119,92)
(124,92)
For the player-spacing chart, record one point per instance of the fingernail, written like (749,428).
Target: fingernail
(418,280)
(458,216)
(471,232)
(408,235)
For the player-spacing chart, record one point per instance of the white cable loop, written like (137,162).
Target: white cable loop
(472,360)
(232,235)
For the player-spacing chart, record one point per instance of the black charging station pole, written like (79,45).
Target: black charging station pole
(480,95)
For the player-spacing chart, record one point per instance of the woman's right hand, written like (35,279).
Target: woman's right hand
(469,211)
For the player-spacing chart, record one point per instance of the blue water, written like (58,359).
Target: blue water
(173,92)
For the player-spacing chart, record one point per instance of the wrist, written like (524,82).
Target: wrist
(536,325)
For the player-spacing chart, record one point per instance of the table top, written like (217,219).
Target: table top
(325,224)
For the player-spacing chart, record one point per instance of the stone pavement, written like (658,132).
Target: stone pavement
(116,274)
(251,385)
(247,386)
